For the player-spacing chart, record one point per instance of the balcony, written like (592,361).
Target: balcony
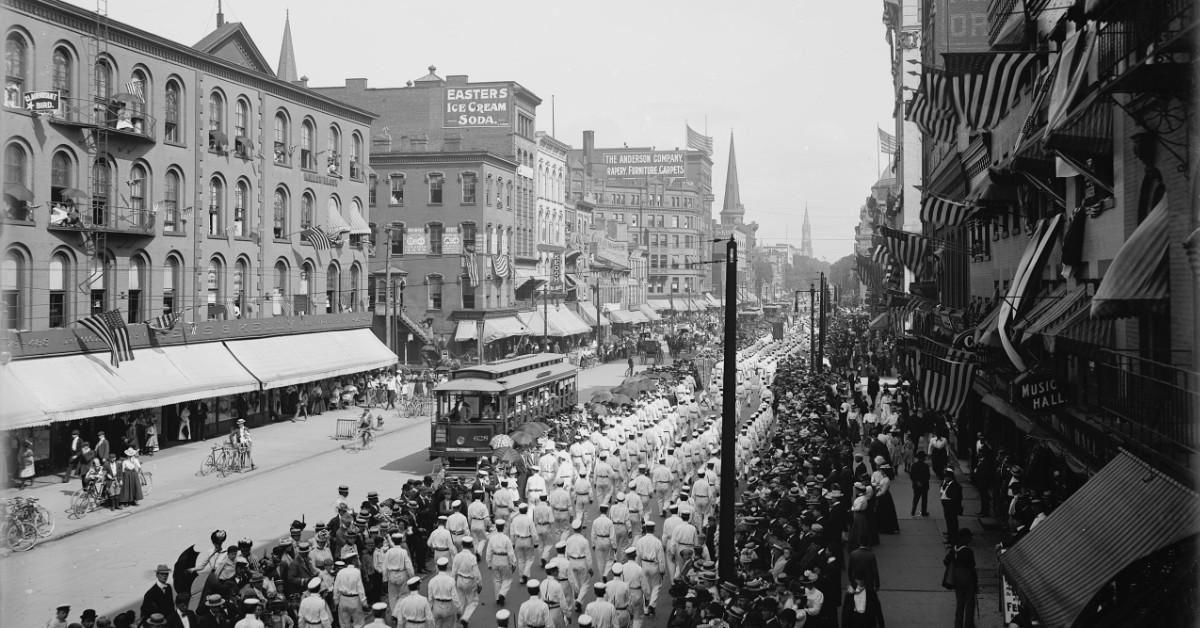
(103,218)
(1153,403)
(1006,23)
(1151,48)
(122,120)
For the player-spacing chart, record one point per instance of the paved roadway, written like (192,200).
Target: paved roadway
(108,567)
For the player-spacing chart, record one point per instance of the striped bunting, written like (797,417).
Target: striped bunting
(990,83)
(944,383)
(318,238)
(943,212)
(910,249)
(111,329)
(869,273)
(931,108)
(471,265)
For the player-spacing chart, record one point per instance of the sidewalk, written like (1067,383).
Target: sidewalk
(910,563)
(175,468)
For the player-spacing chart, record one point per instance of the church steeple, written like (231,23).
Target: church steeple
(732,211)
(286,69)
(806,236)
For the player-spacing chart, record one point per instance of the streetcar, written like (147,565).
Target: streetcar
(483,401)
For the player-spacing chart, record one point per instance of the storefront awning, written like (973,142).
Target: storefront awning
(19,409)
(1063,303)
(624,317)
(1124,513)
(660,305)
(570,321)
(85,385)
(1137,275)
(881,321)
(710,300)
(587,311)
(1029,269)
(285,360)
(1080,327)
(358,224)
(493,329)
(556,321)
(649,312)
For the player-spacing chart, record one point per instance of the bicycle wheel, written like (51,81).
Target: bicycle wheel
(369,441)
(208,466)
(147,482)
(45,522)
(20,536)
(79,505)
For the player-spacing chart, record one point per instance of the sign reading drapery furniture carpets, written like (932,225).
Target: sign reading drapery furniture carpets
(636,164)
(477,106)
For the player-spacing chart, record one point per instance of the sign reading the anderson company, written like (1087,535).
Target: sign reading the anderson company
(477,106)
(637,164)
(76,339)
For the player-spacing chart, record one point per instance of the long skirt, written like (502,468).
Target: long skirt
(860,529)
(885,514)
(131,487)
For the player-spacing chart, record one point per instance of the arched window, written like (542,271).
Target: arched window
(14,289)
(137,282)
(434,289)
(241,118)
(62,176)
(139,101)
(172,278)
(356,157)
(103,80)
(282,138)
(139,191)
(280,290)
(306,212)
(17,193)
(217,139)
(102,191)
(308,143)
(304,297)
(241,270)
(173,118)
(333,287)
(279,214)
(63,73)
(215,284)
(60,279)
(355,282)
(172,186)
(216,206)
(241,199)
(16,64)
(333,152)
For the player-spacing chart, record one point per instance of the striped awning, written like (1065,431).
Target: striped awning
(624,316)
(659,304)
(337,224)
(1040,305)
(649,312)
(1059,306)
(710,300)
(1080,327)
(358,224)
(1124,513)
(1029,269)
(1137,275)
(588,312)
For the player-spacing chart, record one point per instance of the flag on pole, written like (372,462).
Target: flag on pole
(944,383)
(910,249)
(163,322)
(317,236)
(699,141)
(943,212)
(984,85)
(110,328)
(471,264)
(887,142)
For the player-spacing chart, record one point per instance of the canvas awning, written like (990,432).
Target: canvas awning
(20,408)
(659,304)
(285,360)
(358,224)
(1137,275)
(1029,269)
(624,317)
(85,385)
(587,311)
(1061,306)
(337,224)
(1080,327)
(710,300)
(1124,513)
(649,312)
(881,321)
(493,329)
(570,321)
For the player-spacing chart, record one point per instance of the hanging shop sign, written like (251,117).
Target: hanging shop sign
(1042,393)
(45,101)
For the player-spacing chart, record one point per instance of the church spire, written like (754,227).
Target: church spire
(732,211)
(286,69)
(806,235)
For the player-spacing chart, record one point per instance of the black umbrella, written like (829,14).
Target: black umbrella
(183,578)
(75,195)
(19,192)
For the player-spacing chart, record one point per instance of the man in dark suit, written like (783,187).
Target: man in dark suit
(951,498)
(862,565)
(76,452)
(160,598)
(102,446)
(919,474)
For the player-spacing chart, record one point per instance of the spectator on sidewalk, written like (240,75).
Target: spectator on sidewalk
(951,496)
(966,582)
(861,607)
(918,473)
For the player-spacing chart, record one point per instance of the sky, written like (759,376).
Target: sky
(802,84)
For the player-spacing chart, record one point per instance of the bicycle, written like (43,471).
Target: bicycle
(221,460)
(19,536)
(28,510)
(85,501)
(147,479)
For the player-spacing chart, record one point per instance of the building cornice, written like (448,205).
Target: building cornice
(397,158)
(84,22)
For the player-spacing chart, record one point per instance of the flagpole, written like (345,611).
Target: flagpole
(878,172)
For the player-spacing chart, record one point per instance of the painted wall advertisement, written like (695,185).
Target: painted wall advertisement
(961,26)
(477,106)
(416,243)
(451,241)
(637,164)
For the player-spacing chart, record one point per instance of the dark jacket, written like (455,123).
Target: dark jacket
(158,600)
(919,473)
(173,620)
(862,564)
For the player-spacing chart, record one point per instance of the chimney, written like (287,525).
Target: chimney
(456,79)
(356,84)
(589,144)
(220,15)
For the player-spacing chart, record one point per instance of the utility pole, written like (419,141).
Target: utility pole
(812,325)
(727,550)
(597,316)
(545,315)
(390,292)
(821,338)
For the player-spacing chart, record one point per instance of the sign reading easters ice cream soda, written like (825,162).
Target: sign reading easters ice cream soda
(477,106)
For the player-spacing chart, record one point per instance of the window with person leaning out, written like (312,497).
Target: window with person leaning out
(474,409)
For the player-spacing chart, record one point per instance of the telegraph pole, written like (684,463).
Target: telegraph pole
(821,338)
(389,291)
(812,325)
(727,551)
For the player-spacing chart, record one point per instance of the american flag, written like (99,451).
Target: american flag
(910,249)
(699,141)
(317,236)
(500,265)
(984,85)
(163,322)
(471,264)
(869,273)
(931,108)
(110,328)
(944,383)
(887,142)
(943,212)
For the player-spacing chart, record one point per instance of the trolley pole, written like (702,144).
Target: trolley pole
(727,551)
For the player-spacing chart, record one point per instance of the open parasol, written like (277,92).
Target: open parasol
(522,439)
(601,396)
(507,454)
(535,427)
(501,441)
(599,409)
(621,400)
